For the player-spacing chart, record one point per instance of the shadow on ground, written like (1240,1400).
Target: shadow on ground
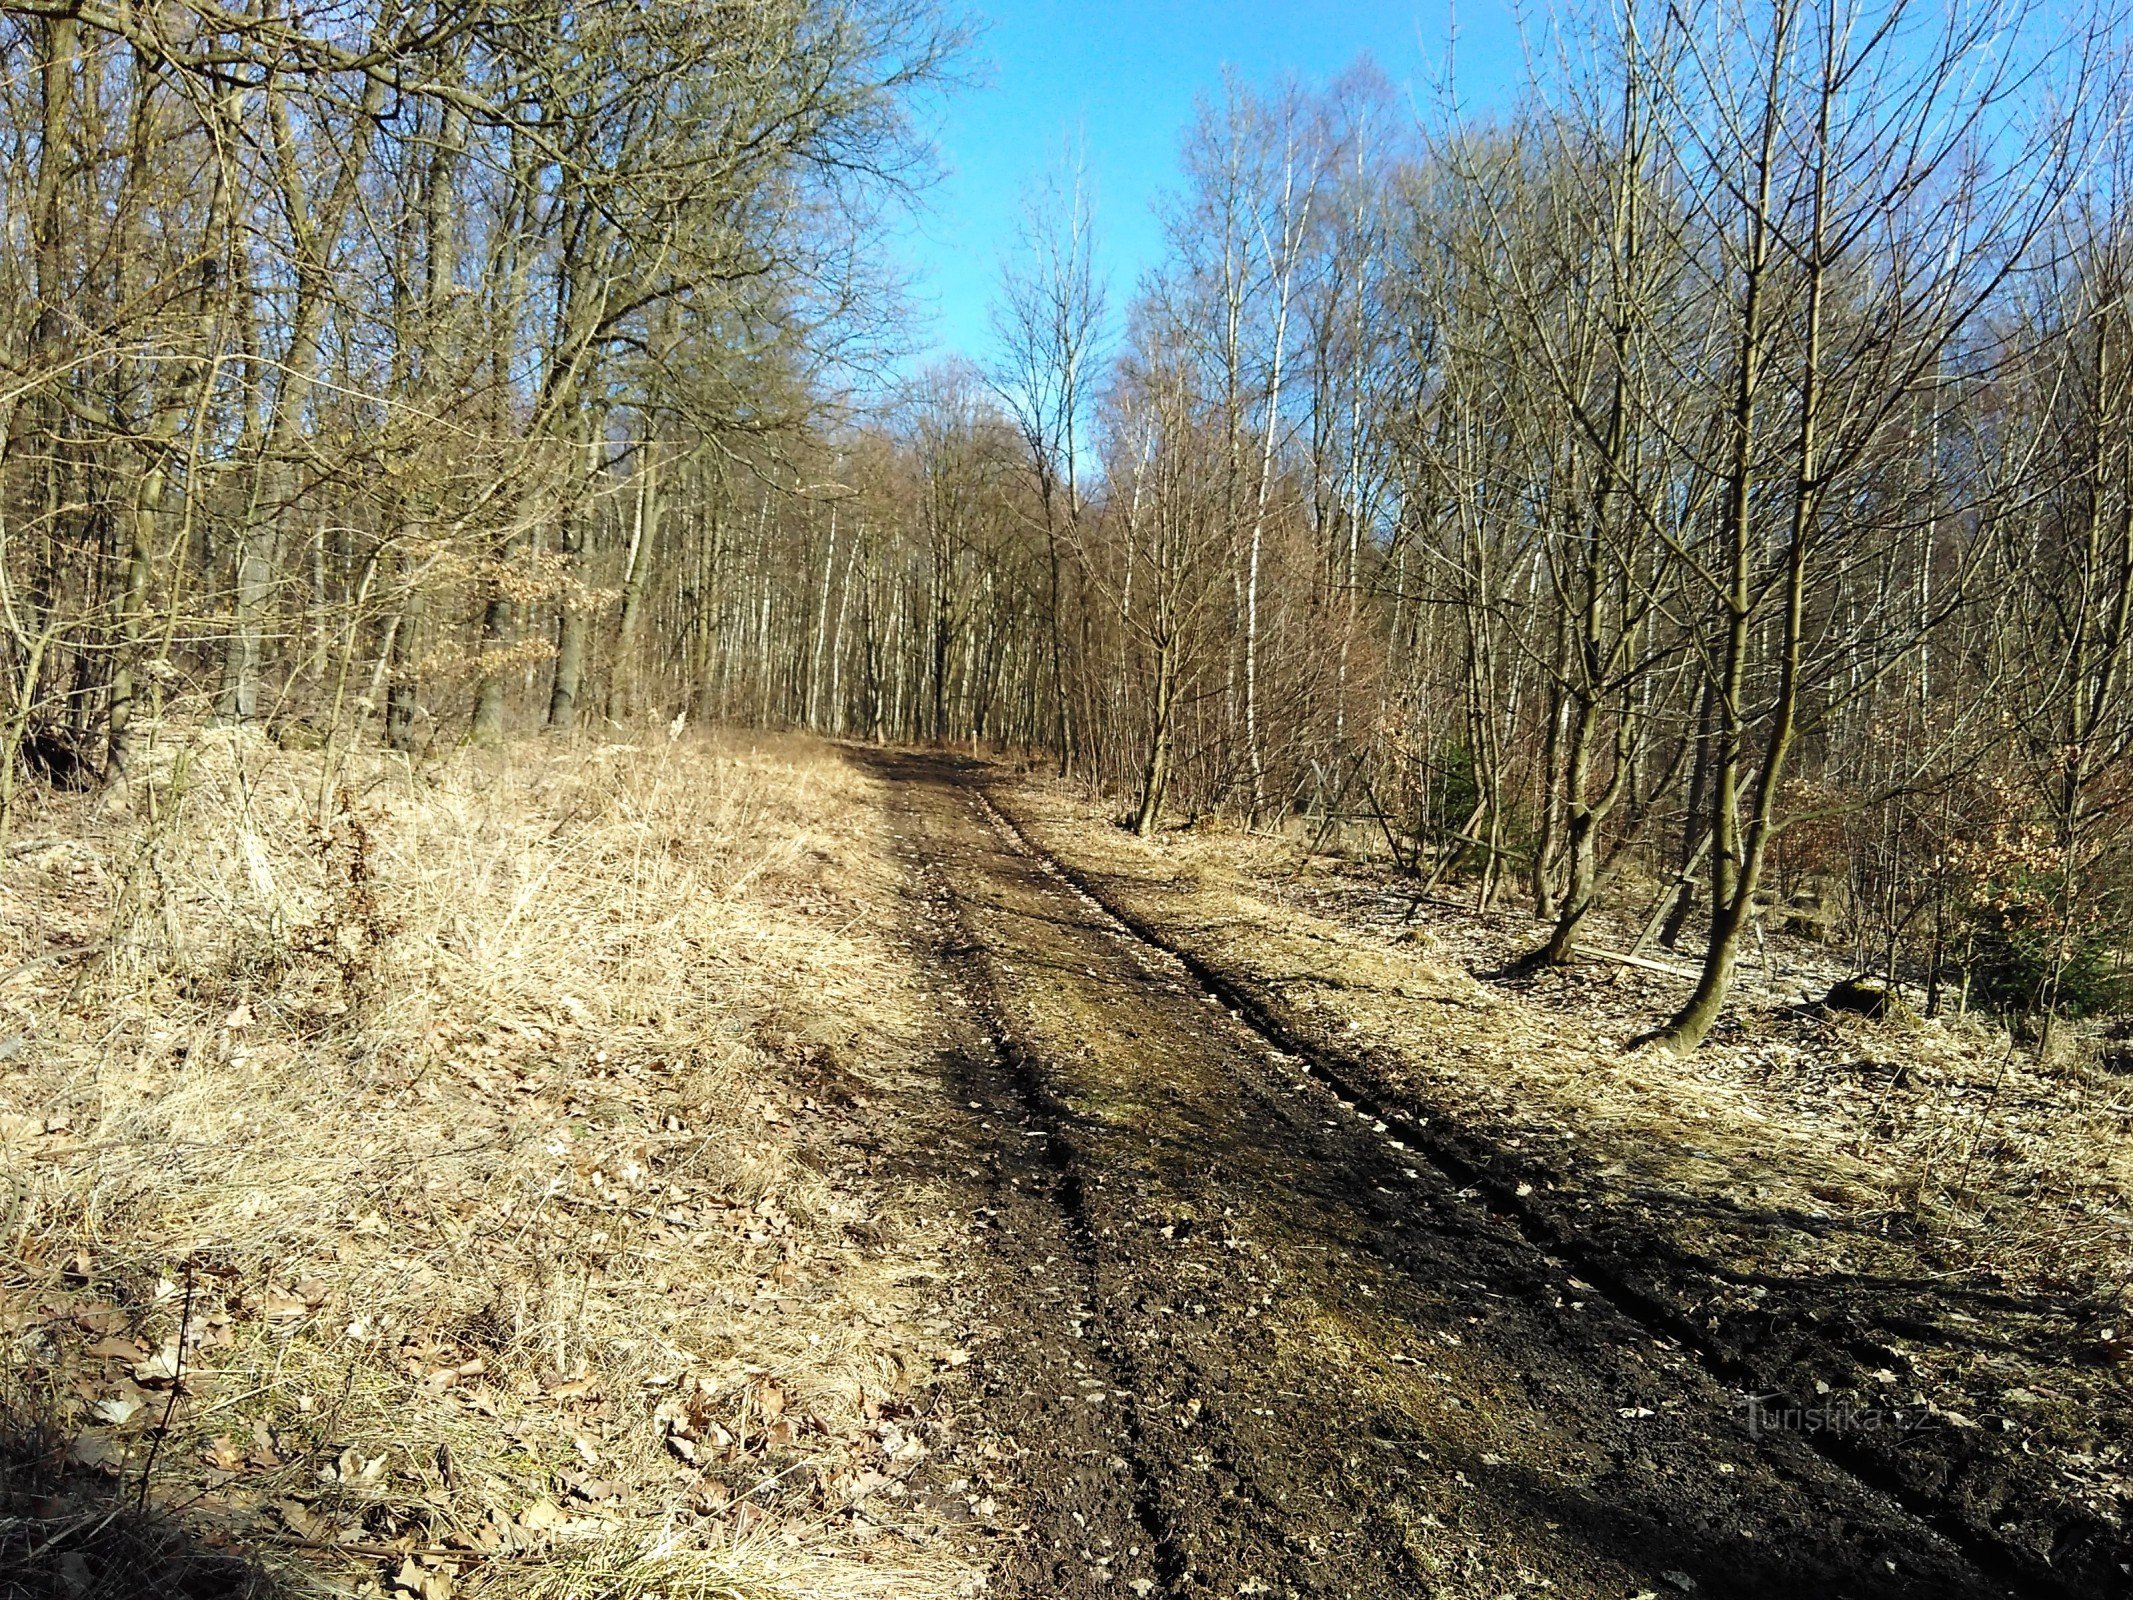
(70,1533)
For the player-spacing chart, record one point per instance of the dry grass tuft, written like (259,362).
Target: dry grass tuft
(427,1179)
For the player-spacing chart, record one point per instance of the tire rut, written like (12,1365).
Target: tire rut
(1071,1514)
(1346,1082)
(1332,1372)
(1058,1154)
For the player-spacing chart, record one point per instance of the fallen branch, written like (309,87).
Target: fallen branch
(1671,968)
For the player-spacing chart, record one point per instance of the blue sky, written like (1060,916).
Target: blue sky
(1119,81)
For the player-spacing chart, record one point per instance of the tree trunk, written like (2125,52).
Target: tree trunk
(1155,775)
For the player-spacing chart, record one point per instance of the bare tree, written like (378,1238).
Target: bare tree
(1049,321)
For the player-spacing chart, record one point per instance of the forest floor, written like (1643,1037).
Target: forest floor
(734,1167)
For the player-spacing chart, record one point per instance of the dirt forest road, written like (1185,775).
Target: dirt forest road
(1245,1343)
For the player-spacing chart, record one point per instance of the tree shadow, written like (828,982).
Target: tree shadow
(69,1532)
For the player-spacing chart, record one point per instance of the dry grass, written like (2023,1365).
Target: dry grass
(430,1179)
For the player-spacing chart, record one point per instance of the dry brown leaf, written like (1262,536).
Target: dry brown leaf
(302,1521)
(542,1516)
(276,1306)
(356,1469)
(422,1583)
(96,1449)
(712,1496)
(263,1453)
(116,1410)
(161,1369)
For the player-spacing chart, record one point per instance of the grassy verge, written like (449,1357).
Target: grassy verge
(1916,1239)
(452,1179)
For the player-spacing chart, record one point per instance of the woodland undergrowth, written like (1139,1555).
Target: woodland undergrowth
(426,1178)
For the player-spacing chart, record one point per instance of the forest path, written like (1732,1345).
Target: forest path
(1248,1345)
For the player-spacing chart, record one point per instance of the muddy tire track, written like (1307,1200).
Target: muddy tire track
(1310,1360)
(1090,1525)
(1046,1123)
(1965,1518)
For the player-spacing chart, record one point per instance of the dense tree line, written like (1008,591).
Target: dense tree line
(1704,489)
(371,359)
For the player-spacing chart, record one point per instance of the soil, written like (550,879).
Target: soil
(1243,1337)
(1913,1238)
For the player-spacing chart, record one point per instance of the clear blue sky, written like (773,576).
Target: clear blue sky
(1119,80)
